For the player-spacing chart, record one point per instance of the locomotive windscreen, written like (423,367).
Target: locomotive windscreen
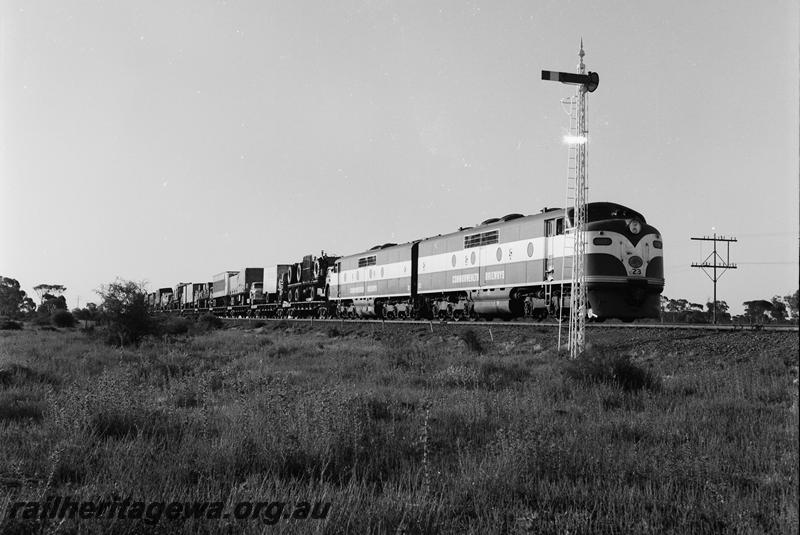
(600,211)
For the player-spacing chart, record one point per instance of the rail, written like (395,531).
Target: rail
(546,324)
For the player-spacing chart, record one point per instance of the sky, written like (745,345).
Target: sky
(169,141)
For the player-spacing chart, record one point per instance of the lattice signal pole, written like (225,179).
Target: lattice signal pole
(576,182)
(717,263)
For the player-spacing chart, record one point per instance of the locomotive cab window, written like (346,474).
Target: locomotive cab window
(559,226)
(549,227)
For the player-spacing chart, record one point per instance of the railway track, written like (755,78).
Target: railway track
(546,324)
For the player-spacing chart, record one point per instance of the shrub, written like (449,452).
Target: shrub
(10,325)
(616,369)
(472,341)
(17,374)
(18,405)
(173,325)
(63,318)
(333,332)
(209,322)
(126,312)
(42,318)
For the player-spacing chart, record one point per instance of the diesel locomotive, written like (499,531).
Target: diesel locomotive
(514,266)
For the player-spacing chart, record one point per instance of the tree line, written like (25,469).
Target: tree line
(16,304)
(119,297)
(779,309)
(122,313)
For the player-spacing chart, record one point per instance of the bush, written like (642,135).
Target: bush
(126,312)
(601,367)
(209,322)
(42,318)
(10,325)
(472,340)
(173,325)
(63,318)
(333,332)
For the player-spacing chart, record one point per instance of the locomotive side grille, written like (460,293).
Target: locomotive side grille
(367,261)
(484,238)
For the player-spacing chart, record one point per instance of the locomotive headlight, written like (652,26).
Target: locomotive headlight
(635,226)
(635,262)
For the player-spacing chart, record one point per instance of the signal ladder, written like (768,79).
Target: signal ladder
(574,239)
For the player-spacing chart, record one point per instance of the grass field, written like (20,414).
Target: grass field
(406,430)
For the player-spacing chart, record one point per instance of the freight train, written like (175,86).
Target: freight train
(513,266)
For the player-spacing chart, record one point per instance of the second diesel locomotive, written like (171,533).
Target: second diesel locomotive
(507,267)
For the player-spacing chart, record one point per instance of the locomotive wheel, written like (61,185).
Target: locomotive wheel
(528,309)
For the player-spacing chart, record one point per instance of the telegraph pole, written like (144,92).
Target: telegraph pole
(576,184)
(717,263)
